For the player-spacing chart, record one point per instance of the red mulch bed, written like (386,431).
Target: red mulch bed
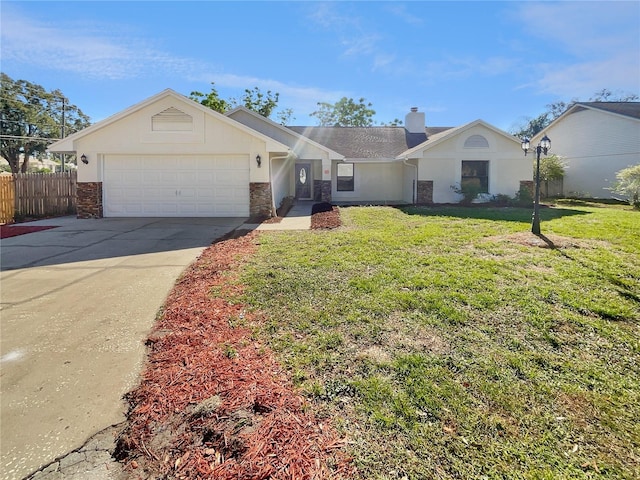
(7,231)
(213,401)
(325,218)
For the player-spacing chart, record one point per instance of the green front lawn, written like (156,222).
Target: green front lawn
(442,345)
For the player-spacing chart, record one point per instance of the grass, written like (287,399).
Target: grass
(442,347)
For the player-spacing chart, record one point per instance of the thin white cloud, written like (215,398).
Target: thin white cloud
(600,43)
(355,39)
(361,45)
(303,100)
(383,61)
(581,80)
(242,81)
(464,67)
(400,10)
(328,16)
(489,66)
(114,52)
(82,49)
(368,43)
(582,28)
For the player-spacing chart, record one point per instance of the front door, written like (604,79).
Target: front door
(303,181)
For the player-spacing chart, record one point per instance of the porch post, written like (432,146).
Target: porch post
(326,180)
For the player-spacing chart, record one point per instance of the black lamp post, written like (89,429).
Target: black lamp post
(543,146)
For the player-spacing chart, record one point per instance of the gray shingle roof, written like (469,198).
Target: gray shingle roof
(628,109)
(367,142)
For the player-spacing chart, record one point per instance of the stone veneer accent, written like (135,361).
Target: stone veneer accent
(326,191)
(89,200)
(425,192)
(317,190)
(260,199)
(528,185)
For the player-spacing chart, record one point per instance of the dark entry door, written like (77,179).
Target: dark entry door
(303,181)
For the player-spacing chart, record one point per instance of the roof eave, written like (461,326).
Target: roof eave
(331,153)
(64,145)
(369,160)
(418,151)
(571,110)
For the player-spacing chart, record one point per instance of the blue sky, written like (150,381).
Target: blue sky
(456,61)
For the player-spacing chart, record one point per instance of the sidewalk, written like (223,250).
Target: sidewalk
(298,218)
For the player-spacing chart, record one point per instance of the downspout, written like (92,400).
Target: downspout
(414,195)
(274,210)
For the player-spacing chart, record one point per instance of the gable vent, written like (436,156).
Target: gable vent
(476,141)
(171,120)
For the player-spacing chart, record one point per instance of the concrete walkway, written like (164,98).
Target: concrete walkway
(77,303)
(298,218)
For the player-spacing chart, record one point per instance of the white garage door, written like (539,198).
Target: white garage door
(176,186)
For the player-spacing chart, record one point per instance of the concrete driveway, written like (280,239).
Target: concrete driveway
(77,302)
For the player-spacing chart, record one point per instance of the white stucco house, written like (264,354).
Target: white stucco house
(170,156)
(595,140)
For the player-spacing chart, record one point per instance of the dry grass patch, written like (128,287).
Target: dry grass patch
(541,241)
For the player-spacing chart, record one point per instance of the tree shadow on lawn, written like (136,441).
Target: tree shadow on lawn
(622,285)
(508,214)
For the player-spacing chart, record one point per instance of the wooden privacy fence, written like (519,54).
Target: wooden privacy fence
(7,198)
(38,195)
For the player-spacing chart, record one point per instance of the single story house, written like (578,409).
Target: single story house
(170,156)
(595,140)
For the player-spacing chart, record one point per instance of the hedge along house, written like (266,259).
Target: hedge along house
(170,156)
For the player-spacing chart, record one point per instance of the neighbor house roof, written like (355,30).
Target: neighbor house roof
(628,109)
(622,109)
(367,143)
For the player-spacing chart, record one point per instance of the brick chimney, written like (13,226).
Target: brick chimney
(414,122)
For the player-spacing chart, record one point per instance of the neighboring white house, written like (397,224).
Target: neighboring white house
(171,156)
(595,140)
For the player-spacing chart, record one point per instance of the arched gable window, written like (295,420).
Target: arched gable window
(172,120)
(476,141)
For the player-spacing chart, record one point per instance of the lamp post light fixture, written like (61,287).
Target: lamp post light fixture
(543,146)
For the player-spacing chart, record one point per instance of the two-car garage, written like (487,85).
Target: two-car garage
(169,156)
(175,185)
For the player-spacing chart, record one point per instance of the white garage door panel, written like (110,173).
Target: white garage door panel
(168,186)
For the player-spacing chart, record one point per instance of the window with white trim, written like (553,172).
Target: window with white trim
(475,173)
(345,176)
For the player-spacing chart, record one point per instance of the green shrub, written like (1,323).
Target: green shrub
(469,192)
(523,198)
(502,200)
(628,184)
